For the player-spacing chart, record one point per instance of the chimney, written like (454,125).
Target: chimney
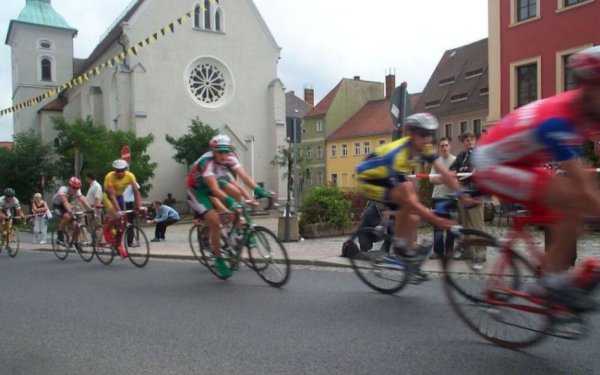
(309,95)
(357,78)
(390,84)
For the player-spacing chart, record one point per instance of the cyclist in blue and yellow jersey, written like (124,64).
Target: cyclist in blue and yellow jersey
(383,178)
(211,184)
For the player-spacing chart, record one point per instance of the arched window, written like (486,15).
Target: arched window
(197,16)
(218,20)
(46,69)
(207,13)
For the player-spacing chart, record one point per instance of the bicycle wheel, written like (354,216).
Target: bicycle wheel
(60,248)
(12,246)
(209,256)
(268,256)
(137,245)
(84,243)
(480,296)
(105,252)
(198,238)
(378,269)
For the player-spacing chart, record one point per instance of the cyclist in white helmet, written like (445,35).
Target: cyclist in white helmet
(509,163)
(212,177)
(383,178)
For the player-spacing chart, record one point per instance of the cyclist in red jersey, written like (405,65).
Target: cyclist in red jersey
(509,163)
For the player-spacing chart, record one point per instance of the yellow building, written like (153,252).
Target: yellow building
(368,128)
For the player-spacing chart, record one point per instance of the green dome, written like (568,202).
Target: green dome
(40,12)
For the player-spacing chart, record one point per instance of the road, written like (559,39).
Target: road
(174,317)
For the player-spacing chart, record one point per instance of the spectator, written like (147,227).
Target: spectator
(94,193)
(39,209)
(165,216)
(169,200)
(440,193)
(469,217)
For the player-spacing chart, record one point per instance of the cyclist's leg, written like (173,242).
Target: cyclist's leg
(406,220)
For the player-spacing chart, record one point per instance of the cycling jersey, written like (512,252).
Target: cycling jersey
(119,184)
(387,166)
(509,160)
(64,191)
(206,166)
(6,205)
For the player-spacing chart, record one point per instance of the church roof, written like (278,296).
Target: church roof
(40,12)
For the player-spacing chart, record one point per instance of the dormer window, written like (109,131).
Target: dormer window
(473,73)
(446,81)
(459,97)
(433,103)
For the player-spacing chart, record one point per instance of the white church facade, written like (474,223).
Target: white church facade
(219,65)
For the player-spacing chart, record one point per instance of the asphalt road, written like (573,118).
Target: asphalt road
(174,317)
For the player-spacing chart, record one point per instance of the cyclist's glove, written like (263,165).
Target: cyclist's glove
(260,192)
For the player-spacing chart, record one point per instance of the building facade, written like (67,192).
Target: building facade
(219,65)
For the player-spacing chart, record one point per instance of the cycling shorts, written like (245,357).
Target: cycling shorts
(107,202)
(379,189)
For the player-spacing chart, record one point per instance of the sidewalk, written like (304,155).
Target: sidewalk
(320,252)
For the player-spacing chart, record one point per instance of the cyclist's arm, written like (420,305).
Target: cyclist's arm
(247,180)
(83,201)
(405,195)
(65,201)
(110,191)
(582,181)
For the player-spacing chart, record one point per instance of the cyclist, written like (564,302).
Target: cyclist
(509,163)
(62,207)
(9,202)
(383,178)
(115,183)
(210,177)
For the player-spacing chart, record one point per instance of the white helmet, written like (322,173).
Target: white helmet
(586,64)
(421,121)
(221,142)
(120,164)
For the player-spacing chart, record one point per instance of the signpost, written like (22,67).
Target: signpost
(126,154)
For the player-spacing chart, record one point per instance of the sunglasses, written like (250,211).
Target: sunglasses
(423,133)
(120,170)
(222,152)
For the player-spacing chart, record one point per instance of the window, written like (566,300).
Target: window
(46,69)
(567,75)
(446,81)
(357,148)
(218,16)
(477,127)
(526,84)
(367,148)
(333,151)
(197,12)
(484,91)
(46,45)
(207,14)
(334,178)
(432,103)
(526,9)
(209,82)
(573,2)
(473,73)
(381,142)
(309,153)
(464,126)
(448,129)
(319,152)
(319,125)
(344,150)
(459,97)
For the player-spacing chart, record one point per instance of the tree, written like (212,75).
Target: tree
(100,147)
(192,145)
(22,167)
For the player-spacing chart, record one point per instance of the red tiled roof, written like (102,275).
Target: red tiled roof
(323,106)
(372,119)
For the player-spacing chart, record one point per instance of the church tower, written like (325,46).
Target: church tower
(41,43)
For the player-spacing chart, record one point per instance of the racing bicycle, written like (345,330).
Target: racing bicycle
(134,240)
(76,238)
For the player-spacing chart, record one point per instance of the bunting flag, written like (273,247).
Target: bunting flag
(134,49)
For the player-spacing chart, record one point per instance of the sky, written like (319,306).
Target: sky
(322,41)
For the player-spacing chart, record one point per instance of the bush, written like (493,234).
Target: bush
(326,204)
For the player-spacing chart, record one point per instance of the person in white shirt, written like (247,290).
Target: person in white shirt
(94,193)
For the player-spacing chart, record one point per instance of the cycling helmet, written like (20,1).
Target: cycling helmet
(9,192)
(120,164)
(221,142)
(425,121)
(585,64)
(74,182)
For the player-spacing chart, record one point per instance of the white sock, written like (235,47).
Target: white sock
(399,242)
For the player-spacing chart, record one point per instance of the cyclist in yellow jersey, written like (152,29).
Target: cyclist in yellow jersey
(115,183)
(383,178)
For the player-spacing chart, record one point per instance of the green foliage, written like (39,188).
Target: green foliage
(100,147)
(22,167)
(193,144)
(326,204)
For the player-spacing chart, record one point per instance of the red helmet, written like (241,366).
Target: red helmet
(585,64)
(74,182)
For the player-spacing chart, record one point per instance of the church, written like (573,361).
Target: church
(161,64)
